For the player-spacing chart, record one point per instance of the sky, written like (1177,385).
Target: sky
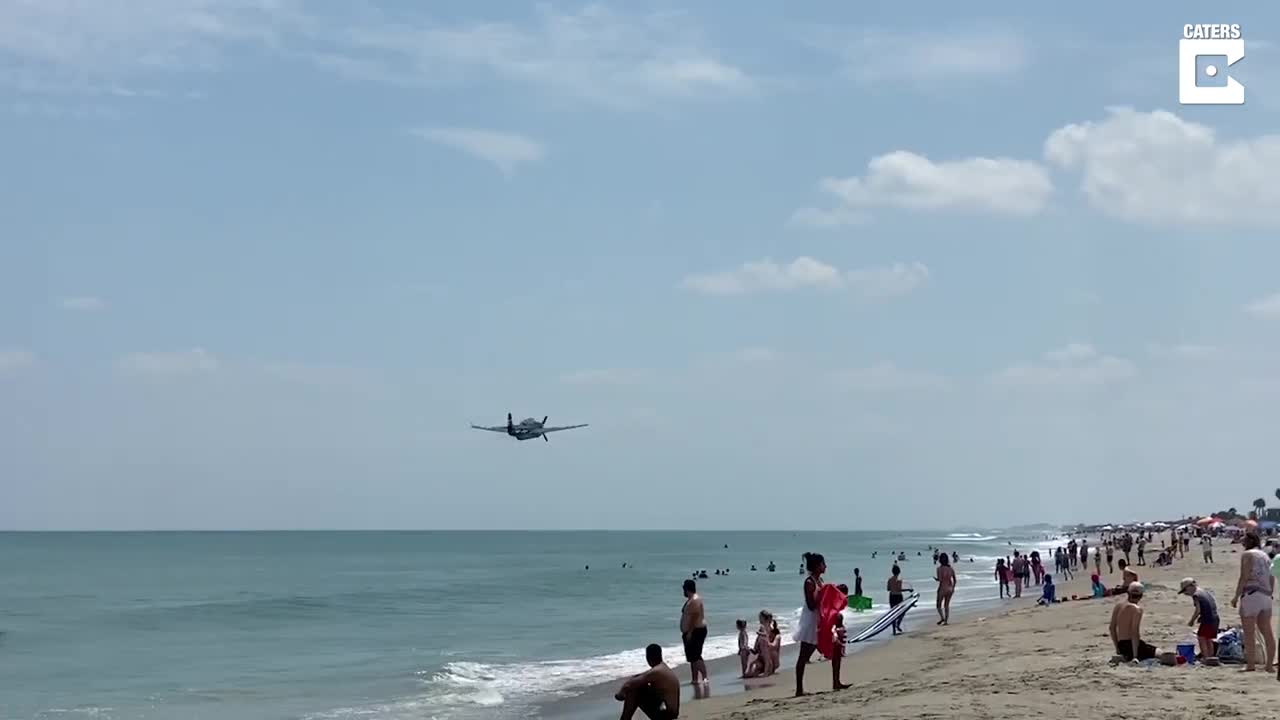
(833,266)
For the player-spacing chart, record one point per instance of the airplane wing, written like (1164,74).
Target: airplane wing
(495,428)
(565,427)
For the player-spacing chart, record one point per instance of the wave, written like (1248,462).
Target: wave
(465,687)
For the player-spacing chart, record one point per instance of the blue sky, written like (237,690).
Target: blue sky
(263,261)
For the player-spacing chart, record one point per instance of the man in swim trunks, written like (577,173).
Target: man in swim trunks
(1126,627)
(654,692)
(693,631)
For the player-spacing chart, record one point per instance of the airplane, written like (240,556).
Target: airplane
(527,429)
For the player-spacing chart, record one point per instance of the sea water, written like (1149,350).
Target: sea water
(372,625)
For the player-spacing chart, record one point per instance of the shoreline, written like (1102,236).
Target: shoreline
(1022,659)
(726,686)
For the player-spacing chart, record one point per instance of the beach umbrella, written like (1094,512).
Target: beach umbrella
(1208,520)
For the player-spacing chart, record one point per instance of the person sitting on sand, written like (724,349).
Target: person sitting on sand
(1126,627)
(654,692)
(763,662)
(1049,594)
(1127,577)
(1206,612)
(1095,584)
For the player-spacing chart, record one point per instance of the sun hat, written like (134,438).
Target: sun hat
(1186,583)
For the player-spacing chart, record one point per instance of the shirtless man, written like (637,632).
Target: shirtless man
(654,692)
(693,631)
(1126,627)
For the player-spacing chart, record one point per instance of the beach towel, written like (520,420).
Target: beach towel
(831,602)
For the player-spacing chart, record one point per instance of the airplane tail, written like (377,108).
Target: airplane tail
(510,425)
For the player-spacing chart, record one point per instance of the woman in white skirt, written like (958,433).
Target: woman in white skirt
(807,633)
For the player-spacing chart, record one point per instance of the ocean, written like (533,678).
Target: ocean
(390,625)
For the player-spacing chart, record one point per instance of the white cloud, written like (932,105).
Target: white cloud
(1267,307)
(886,377)
(1077,364)
(315,375)
(85,303)
(889,281)
(826,218)
(83,45)
(1083,298)
(13,360)
(594,54)
(882,56)
(808,273)
(505,151)
(607,376)
(179,362)
(904,179)
(1187,351)
(1155,167)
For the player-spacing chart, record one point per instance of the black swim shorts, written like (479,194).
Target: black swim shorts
(649,701)
(693,644)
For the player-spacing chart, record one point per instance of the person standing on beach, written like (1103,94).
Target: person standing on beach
(1206,547)
(1018,568)
(946,577)
(693,631)
(1205,613)
(1254,592)
(654,692)
(807,633)
(895,588)
(1110,557)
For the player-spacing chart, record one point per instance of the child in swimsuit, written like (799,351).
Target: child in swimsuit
(744,651)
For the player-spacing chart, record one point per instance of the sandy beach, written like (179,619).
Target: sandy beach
(1022,661)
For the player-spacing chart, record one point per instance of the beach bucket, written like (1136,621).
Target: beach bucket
(1187,651)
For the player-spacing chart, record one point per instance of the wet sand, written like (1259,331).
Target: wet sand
(1023,661)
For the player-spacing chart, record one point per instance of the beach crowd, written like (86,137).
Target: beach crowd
(655,692)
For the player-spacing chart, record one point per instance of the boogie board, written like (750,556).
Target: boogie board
(884,622)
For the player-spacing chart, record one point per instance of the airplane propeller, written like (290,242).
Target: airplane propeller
(544,438)
(544,419)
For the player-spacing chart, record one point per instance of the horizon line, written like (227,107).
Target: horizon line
(493,530)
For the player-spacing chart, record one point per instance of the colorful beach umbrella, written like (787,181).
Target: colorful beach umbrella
(1209,520)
